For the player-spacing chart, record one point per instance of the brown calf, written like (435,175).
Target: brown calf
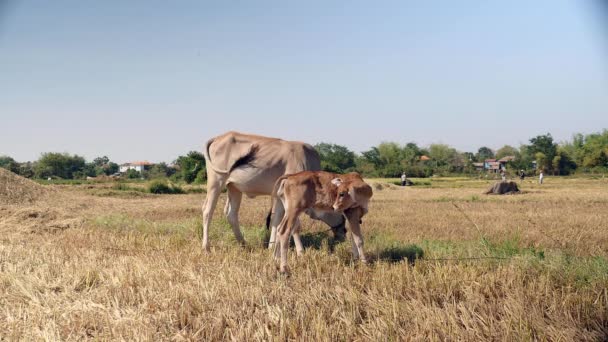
(315,192)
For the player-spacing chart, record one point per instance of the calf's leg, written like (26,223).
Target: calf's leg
(288,224)
(354,217)
(296,237)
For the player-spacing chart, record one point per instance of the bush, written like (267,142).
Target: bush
(201,177)
(163,187)
(133,174)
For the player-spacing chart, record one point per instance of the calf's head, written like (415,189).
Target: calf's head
(351,193)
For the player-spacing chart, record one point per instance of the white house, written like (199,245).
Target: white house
(137,166)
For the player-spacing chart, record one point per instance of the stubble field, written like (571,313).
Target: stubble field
(96,261)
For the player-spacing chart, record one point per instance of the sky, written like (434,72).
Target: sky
(151,80)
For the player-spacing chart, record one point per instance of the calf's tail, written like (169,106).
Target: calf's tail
(273,198)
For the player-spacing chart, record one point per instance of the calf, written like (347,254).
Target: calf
(317,192)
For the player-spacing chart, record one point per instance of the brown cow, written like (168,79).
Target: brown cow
(316,192)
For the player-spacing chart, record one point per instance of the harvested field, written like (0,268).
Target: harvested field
(450,263)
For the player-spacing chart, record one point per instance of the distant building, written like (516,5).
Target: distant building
(137,166)
(493,165)
(506,159)
(478,166)
(424,158)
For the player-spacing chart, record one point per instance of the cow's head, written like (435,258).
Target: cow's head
(351,194)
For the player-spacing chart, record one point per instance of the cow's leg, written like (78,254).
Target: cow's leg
(275,221)
(233,206)
(354,217)
(296,237)
(214,187)
(335,221)
(285,230)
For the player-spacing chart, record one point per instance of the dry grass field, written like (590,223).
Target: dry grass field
(98,262)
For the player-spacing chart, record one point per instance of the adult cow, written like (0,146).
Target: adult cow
(251,164)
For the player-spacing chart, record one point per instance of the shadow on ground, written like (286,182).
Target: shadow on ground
(394,253)
(321,240)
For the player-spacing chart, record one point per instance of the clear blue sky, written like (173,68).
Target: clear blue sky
(153,79)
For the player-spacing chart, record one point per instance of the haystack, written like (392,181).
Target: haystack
(15,189)
(503,188)
(26,206)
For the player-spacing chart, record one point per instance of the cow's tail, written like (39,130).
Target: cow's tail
(208,158)
(274,198)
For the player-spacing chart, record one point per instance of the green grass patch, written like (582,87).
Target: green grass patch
(159,186)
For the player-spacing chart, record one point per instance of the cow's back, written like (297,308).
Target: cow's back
(253,163)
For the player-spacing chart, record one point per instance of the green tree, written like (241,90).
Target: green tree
(101,166)
(484,153)
(390,154)
(446,158)
(543,144)
(335,158)
(541,161)
(60,165)
(506,151)
(160,170)
(9,163)
(26,169)
(190,165)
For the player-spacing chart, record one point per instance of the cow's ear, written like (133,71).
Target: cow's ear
(336,181)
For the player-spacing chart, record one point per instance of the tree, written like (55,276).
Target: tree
(160,170)
(543,144)
(541,161)
(101,166)
(26,169)
(101,161)
(555,164)
(445,157)
(469,156)
(60,165)
(484,153)
(390,155)
(506,151)
(9,163)
(591,151)
(112,168)
(410,154)
(335,158)
(190,165)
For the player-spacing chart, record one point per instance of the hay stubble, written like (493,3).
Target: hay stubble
(134,270)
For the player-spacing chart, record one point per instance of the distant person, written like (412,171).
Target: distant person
(503,175)
(540,178)
(403,179)
(522,175)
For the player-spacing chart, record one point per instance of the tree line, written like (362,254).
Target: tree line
(584,153)
(188,168)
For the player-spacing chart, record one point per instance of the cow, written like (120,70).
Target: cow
(316,192)
(251,164)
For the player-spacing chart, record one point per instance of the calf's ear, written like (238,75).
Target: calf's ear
(336,181)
